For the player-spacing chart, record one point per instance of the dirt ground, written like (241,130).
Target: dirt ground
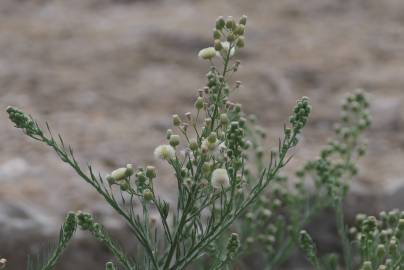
(107,74)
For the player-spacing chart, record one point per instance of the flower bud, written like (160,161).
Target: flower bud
(151,172)
(381,251)
(207,53)
(129,170)
(401,224)
(147,195)
(174,140)
(240,42)
(218,45)
(224,119)
(208,122)
(216,34)
(367,265)
(243,20)
(124,185)
(230,23)
(199,103)
(176,120)
(212,137)
(393,249)
(233,245)
(220,23)
(110,266)
(193,144)
(239,30)
(231,38)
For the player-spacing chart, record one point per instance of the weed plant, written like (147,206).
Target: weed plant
(232,201)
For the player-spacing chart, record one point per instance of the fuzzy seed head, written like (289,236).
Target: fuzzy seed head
(164,152)
(119,174)
(220,178)
(207,53)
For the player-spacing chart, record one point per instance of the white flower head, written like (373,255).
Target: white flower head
(220,179)
(207,53)
(165,152)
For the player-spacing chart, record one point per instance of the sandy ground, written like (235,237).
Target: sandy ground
(108,74)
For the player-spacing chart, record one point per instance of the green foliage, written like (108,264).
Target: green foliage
(272,228)
(49,258)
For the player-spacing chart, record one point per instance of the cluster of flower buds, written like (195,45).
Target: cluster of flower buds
(69,227)
(84,220)
(233,245)
(355,113)
(22,121)
(308,246)
(300,114)
(332,166)
(380,239)
(228,35)
(266,221)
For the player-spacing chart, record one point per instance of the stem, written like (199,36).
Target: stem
(346,245)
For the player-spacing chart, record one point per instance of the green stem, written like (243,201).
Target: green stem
(346,245)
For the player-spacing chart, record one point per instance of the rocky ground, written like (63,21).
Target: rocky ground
(108,74)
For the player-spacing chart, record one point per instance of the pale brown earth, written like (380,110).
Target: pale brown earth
(108,74)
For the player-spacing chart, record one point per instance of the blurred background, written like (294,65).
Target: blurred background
(108,75)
